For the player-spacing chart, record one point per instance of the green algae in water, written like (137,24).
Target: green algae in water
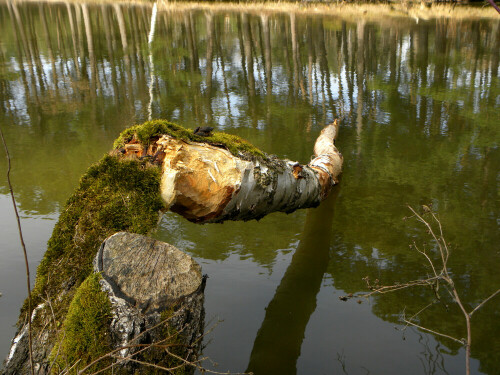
(152,130)
(85,333)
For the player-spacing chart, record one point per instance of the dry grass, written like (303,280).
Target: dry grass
(417,10)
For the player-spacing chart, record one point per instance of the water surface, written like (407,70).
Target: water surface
(419,104)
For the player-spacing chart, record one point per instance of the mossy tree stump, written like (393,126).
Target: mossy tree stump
(154,167)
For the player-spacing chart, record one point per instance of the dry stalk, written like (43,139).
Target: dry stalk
(25,253)
(162,344)
(148,364)
(130,346)
(438,276)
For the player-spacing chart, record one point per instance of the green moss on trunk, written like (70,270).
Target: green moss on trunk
(114,195)
(85,333)
(152,130)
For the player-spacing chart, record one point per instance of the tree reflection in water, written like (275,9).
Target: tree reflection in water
(419,104)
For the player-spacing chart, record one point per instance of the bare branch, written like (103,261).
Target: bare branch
(109,354)
(449,285)
(162,322)
(25,253)
(204,369)
(482,303)
(461,342)
(431,231)
(169,369)
(393,288)
(144,347)
(427,257)
(72,367)
(47,301)
(442,238)
(422,310)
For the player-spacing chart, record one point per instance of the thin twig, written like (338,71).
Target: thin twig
(482,303)
(442,237)
(427,257)
(448,283)
(431,231)
(54,361)
(73,366)
(421,310)
(108,354)
(145,347)
(169,369)
(431,331)
(204,369)
(123,359)
(25,253)
(393,288)
(494,6)
(162,322)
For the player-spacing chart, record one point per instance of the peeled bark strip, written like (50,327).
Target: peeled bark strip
(205,183)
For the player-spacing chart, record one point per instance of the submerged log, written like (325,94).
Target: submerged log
(205,182)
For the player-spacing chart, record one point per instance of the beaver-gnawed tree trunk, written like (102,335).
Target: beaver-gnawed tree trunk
(154,167)
(205,180)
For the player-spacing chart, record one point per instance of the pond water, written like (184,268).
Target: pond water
(419,102)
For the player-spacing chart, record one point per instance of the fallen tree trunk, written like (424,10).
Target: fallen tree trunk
(205,180)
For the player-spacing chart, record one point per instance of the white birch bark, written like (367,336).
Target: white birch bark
(205,183)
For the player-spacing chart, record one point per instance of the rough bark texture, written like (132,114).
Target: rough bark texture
(147,281)
(17,362)
(205,179)
(145,278)
(205,183)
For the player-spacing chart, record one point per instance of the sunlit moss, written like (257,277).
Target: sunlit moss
(152,130)
(85,333)
(114,195)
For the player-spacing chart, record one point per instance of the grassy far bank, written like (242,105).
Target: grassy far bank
(418,10)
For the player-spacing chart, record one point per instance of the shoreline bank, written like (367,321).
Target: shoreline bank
(417,10)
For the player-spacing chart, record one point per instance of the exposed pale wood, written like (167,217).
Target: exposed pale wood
(328,161)
(206,183)
(199,179)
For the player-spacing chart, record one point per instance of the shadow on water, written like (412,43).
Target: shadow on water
(277,345)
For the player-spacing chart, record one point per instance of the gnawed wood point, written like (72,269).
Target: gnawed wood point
(205,182)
